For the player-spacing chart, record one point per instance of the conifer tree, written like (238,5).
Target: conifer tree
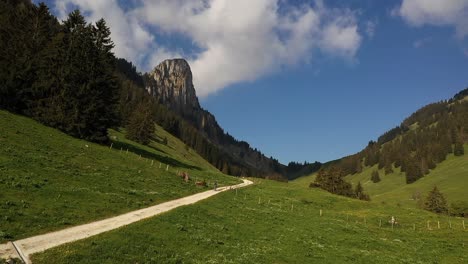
(359,192)
(141,125)
(375,176)
(435,201)
(458,149)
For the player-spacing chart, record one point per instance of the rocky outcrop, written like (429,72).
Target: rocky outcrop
(171,83)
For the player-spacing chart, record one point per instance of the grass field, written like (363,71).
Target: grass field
(273,222)
(50,181)
(450,176)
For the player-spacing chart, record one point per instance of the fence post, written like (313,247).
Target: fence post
(112,144)
(414,227)
(320,212)
(380,223)
(167,167)
(438,224)
(463,222)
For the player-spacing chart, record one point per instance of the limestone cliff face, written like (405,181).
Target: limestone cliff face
(171,83)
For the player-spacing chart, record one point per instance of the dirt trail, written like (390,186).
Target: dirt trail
(28,246)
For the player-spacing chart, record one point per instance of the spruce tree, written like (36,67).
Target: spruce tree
(435,202)
(458,150)
(359,192)
(141,125)
(375,176)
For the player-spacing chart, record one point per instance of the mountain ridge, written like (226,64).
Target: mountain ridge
(170,83)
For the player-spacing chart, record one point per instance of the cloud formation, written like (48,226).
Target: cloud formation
(436,12)
(237,41)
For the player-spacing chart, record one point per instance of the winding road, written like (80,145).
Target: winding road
(25,247)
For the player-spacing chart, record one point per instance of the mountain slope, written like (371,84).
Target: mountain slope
(50,180)
(426,150)
(450,177)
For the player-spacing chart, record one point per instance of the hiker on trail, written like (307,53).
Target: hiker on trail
(215,185)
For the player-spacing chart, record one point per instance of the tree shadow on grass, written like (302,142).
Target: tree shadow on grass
(149,155)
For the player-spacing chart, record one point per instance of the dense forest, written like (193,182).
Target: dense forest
(61,74)
(65,75)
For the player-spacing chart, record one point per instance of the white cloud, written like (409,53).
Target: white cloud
(436,12)
(238,40)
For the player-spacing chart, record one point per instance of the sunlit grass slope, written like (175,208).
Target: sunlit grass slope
(273,222)
(450,176)
(50,181)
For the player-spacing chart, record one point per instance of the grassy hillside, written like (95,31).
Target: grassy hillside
(450,176)
(50,181)
(273,222)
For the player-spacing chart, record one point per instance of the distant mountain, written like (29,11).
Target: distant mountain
(171,84)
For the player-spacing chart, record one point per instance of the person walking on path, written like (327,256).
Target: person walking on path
(215,185)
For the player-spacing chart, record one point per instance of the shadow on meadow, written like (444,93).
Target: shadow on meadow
(150,155)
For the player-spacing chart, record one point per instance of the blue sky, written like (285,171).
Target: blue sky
(300,80)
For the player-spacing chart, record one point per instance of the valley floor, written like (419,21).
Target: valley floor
(273,222)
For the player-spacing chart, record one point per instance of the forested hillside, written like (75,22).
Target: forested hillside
(60,74)
(414,148)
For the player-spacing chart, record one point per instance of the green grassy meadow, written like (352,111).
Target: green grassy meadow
(273,222)
(449,176)
(50,181)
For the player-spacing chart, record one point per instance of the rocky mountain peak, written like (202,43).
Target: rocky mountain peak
(171,83)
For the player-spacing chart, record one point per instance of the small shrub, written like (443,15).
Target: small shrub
(459,208)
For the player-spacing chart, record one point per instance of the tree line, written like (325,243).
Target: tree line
(331,180)
(61,74)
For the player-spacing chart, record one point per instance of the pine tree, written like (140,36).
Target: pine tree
(141,125)
(359,192)
(388,167)
(435,202)
(375,176)
(458,150)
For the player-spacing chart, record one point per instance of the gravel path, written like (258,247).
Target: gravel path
(28,246)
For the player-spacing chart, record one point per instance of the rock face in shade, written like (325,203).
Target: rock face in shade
(171,83)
